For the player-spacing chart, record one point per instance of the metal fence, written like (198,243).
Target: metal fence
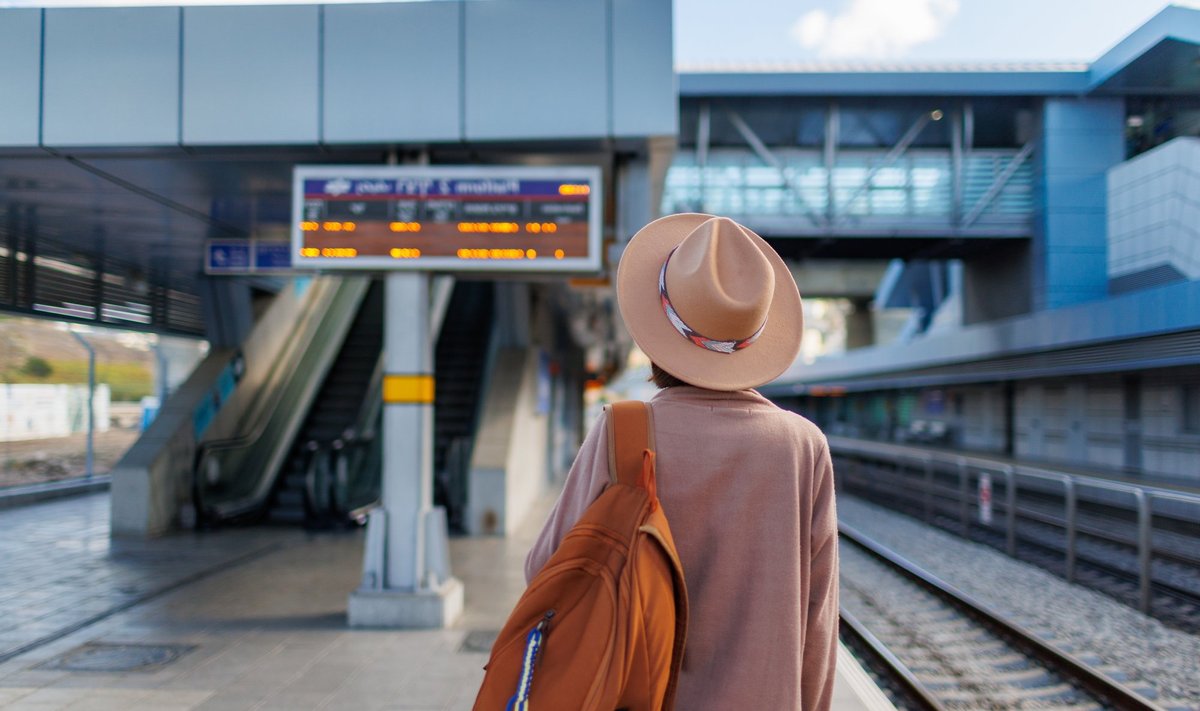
(1148,524)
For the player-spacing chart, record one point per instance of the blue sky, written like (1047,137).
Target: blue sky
(742,31)
(738,32)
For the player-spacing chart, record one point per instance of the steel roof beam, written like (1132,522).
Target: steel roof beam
(760,149)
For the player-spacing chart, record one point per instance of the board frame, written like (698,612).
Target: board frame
(591,264)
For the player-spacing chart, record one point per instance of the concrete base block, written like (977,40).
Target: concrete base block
(427,609)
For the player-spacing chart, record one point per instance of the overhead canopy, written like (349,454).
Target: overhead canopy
(1160,57)
(129,135)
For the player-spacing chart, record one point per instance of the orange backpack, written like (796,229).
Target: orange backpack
(603,625)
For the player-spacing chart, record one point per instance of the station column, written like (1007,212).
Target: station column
(406,580)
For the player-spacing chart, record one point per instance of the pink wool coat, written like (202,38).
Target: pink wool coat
(748,490)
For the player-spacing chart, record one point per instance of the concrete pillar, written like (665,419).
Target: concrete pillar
(406,578)
(228,315)
(860,325)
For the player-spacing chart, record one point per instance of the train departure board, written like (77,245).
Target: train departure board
(447,218)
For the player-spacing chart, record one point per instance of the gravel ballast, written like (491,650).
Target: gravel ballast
(1155,659)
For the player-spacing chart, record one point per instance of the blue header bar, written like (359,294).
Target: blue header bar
(437,187)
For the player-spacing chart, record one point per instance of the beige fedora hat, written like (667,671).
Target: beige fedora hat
(710,302)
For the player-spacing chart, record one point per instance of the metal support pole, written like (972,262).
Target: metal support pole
(956,169)
(164,368)
(928,489)
(91,403)
(964,518)
(832,126)
(406,577)
(703,133)
(1145,548)
(1072,525)
(968,128)
(1010,510)
(407,443)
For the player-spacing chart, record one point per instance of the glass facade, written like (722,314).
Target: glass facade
(915,190)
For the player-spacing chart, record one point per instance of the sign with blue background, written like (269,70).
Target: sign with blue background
(227,257)
(247,256)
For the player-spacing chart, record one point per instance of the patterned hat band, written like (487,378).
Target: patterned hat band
(688,332)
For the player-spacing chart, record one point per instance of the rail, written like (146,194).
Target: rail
(884,662)
(932,469)
(1069,667)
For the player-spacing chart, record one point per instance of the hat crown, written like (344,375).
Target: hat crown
(720,283)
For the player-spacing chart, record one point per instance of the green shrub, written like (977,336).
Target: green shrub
(126,381)
(37,367)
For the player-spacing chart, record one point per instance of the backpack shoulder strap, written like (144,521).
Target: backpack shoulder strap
(630,435)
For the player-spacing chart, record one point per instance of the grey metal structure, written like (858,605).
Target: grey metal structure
(132,135)
(892,176)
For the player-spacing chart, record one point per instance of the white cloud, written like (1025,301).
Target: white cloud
(874,29)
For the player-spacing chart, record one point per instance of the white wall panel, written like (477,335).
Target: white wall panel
(1104,423)
(1152,217)
(112,76)
(20,69)
(393,72)
(983,419)
(536,69)
(645,99)
(1029,422)
(250,74)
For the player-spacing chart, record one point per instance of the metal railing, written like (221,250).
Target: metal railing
(959,491)
(342,476)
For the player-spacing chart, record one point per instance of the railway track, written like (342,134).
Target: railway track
(1102,553)
(1109,569)
(937,648)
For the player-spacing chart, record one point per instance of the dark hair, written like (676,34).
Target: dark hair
(662,378)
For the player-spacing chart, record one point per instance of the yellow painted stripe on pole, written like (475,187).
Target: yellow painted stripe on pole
(408,389)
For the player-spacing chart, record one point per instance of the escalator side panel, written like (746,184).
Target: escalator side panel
(459,362)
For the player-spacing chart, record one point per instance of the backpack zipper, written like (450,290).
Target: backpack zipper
(533,645)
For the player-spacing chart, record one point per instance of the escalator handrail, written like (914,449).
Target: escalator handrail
(366,423)
(265,414)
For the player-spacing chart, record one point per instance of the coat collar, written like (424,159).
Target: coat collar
(690,394)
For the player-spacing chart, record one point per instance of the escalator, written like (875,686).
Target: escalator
(460,360)
(308,490)
(328,460)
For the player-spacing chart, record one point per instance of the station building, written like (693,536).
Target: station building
(1036,224)
(1032,225)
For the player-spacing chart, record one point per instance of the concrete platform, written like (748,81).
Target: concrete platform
(255,619)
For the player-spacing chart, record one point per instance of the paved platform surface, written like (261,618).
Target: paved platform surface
(236,619)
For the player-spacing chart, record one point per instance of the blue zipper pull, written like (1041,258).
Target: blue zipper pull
(533,645)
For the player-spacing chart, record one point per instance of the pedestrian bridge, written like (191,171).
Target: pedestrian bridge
(924,193)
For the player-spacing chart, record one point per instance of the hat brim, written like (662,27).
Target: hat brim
(637,296)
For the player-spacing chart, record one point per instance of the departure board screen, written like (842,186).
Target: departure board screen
(447,218)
